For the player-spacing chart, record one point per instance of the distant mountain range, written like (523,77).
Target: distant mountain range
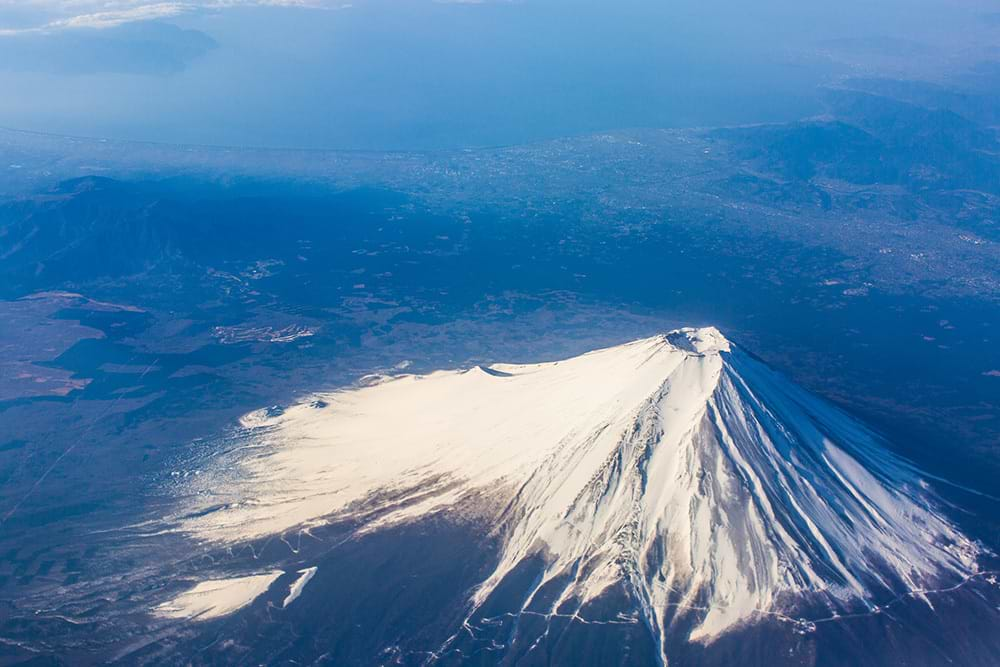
(871,139)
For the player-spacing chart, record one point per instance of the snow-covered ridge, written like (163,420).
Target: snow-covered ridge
(677,466)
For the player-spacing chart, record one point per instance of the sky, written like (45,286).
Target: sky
(425,74)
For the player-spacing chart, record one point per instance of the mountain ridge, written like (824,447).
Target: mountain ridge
(677,469)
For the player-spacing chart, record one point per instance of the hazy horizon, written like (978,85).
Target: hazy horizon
(428,75)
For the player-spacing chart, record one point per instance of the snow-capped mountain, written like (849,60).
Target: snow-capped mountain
(678,471)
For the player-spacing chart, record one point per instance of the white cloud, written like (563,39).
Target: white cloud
(112,18)
(55,15)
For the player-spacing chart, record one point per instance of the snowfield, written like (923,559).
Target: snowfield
(677,466)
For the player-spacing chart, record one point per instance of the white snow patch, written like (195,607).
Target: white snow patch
(295,590)
(217,597)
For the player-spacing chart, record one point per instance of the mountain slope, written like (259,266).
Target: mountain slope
(677,469)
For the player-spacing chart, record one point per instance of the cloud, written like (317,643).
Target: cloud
(113,18)
(19,17)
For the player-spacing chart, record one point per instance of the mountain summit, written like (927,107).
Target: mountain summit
(678,471)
